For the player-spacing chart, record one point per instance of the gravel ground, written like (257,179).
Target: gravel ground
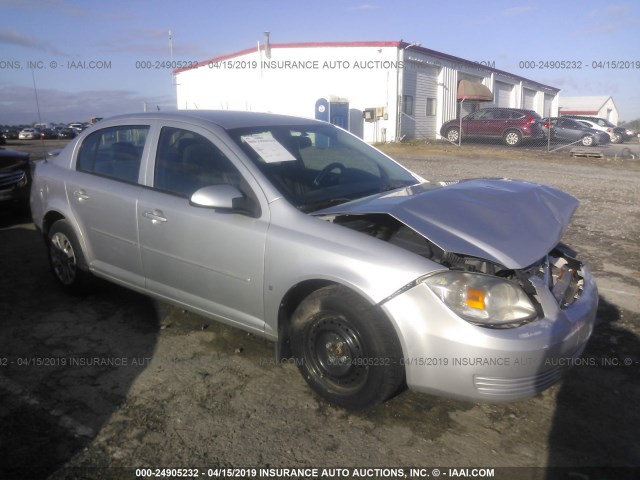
(187,392)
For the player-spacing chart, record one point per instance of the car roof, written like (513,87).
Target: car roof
(518,110)
(226,119)
(507,108)
(587,120)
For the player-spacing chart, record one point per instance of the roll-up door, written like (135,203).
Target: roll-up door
(503,95)
(548,102)
(529,99)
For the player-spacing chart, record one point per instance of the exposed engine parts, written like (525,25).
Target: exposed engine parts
(560,270)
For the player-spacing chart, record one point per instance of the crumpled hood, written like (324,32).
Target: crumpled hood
(509,222)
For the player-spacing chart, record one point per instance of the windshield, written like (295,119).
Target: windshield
(318,166)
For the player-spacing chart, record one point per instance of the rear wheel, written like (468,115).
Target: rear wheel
(587,141)
(512,138)
(346,349)
(617,138)
(453,134)
(66,258)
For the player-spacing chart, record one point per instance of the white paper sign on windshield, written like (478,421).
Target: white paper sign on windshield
(268,148)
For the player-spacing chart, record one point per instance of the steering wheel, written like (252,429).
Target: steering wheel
(322,176)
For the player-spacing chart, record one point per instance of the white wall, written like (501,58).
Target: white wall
(365,76)
(609,111)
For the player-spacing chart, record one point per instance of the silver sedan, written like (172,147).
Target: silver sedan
(369,276)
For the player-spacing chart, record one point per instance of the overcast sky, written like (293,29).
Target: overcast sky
(86,54)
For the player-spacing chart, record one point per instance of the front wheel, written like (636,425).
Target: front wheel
(346,349)
(512,138)
(66,258)
(587,141)
(617,138)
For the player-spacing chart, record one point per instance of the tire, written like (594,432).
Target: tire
(67,259)
(617,138)
(453,134)
(512,138)
(588,141)
(346,349)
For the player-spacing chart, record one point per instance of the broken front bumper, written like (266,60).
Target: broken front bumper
(446,355)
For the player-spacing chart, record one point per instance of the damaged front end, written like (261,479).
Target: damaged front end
(502,304)
(482,292)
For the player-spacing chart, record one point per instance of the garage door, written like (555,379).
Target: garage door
(548,102)
(529,99)
(503,95)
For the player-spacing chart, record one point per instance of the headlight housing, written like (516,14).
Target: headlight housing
(482,299)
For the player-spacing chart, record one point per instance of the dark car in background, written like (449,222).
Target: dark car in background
(622,134)
(67,133)
(9,134)
(512,125)
(48,134)
(15,177)
(569,130)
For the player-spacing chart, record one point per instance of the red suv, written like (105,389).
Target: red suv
(512,125)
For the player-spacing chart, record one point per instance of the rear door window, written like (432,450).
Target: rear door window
(114,152)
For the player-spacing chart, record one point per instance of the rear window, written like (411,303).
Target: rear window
(531,113)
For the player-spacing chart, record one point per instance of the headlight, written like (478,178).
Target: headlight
(482,298)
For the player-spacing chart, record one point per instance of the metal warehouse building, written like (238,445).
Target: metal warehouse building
(380,91)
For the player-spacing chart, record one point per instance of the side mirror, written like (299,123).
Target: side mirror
(224,197)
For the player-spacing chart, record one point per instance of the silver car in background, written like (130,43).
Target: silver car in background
(293,229)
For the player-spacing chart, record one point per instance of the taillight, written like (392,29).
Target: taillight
(531,120)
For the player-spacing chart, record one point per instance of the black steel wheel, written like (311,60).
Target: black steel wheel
(346,349)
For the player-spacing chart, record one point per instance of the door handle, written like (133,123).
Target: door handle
(155,216)
(80,195)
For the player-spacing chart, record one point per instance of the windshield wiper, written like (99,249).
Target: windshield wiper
(312,207)
(393,186)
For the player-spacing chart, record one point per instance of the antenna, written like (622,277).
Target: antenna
(170,45)
(171,69)
(35,90)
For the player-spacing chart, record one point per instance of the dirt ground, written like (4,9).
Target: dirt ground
(95,386)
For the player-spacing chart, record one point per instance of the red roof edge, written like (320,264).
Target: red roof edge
(393,43)
(222,58)
(577,112)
